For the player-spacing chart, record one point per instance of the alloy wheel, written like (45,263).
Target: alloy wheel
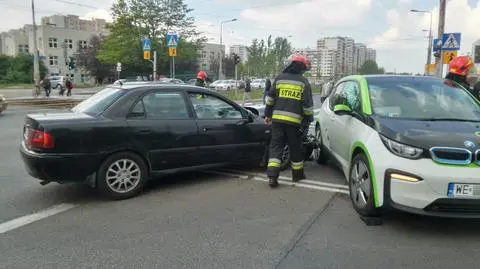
(360,184)
(123,175)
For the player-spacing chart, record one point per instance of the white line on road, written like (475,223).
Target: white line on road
(280,181)
(313,182)
(25,220)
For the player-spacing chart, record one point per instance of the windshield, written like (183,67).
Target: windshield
(98,102)
(421,99)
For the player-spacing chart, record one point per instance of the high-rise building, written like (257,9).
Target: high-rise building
(361,57)
(241,51)
(348,66)
(336,43)
(327,62)
(371,54)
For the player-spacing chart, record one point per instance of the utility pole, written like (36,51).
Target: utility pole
(154,65)
(36,56)
(441,30)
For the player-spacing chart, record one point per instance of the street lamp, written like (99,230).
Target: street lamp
(220,69)
(430,38)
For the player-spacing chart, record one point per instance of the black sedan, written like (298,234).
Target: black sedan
(124,135)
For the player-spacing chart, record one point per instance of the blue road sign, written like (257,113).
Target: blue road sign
(147,44)
(437,44)
(451,41)
(172,39)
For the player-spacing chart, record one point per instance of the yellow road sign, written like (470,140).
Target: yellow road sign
(146,55)
(448,56)
(431,69)
(172,52)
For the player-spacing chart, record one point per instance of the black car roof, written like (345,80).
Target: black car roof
(160,86)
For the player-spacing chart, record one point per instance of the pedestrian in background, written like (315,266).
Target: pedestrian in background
(268,84)
(248,90)
(69,86)
(47,86)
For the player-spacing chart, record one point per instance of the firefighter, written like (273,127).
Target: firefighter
(289,110)
(201,79)
(462,71)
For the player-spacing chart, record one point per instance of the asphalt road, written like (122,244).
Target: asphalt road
(214,220)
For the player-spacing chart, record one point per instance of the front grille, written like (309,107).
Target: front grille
(466,206)
(447,155)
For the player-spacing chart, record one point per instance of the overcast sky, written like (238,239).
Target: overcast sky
(386,25)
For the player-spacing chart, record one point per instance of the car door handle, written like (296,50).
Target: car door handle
(144,131)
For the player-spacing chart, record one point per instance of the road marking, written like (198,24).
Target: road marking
(280,181)
(313,182)
(25,220)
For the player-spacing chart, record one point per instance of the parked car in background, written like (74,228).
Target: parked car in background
(258,83)
(3,103)
(57,82)
(225,85)
(215,83)
(191,81)
(125,135)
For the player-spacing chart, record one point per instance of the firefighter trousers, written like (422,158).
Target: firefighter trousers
(291,135)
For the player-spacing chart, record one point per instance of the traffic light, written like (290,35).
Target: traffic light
(236,58)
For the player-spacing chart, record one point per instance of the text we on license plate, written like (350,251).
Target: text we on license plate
(461,190)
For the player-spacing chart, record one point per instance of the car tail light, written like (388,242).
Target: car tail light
(38,139)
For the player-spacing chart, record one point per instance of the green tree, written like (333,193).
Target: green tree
(266,57)
(370,67)
(87,59)
(18,69)
(136,19)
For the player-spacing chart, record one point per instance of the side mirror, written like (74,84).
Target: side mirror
(342,110)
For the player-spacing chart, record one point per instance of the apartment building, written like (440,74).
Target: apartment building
(371,55)
(58,39)
(338,45)
(361,54)
(327,62)
(348,65)
(241,51)
(210,56)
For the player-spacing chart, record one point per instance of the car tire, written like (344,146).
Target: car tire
(319,155)
(361,188)
(114,177)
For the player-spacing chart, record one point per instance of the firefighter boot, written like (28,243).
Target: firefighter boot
(272,182)
(298,175)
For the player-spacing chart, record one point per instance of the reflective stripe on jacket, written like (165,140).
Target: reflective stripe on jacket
(290,100)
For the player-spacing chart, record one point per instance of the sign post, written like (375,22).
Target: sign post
(447,46)
(147,47)
(172,42)
(119,69)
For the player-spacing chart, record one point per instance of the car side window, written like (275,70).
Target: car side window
(352,94)
(161,105)
(210,107)
(348,94)
(337,91)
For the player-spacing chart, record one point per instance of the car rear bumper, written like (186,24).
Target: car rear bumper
(61,168)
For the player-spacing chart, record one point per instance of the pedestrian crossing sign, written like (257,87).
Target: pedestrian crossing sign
(451,41)
(172,39)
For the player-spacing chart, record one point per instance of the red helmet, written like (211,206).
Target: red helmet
(202,75)
(296,57)
(461,65)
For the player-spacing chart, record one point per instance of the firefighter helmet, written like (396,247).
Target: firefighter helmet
(202,75)
(461,65)
(297,57)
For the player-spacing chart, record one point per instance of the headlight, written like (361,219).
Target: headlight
(402,150)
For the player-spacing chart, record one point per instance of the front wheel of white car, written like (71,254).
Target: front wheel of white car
(319,152)
(361,186)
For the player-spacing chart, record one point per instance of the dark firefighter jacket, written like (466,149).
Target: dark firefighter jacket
(290,100)
(200,83)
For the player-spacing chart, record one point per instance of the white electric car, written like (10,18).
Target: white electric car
(405,142)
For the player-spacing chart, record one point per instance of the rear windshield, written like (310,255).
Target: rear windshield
(99,102)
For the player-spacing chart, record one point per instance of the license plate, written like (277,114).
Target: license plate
(461,190)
